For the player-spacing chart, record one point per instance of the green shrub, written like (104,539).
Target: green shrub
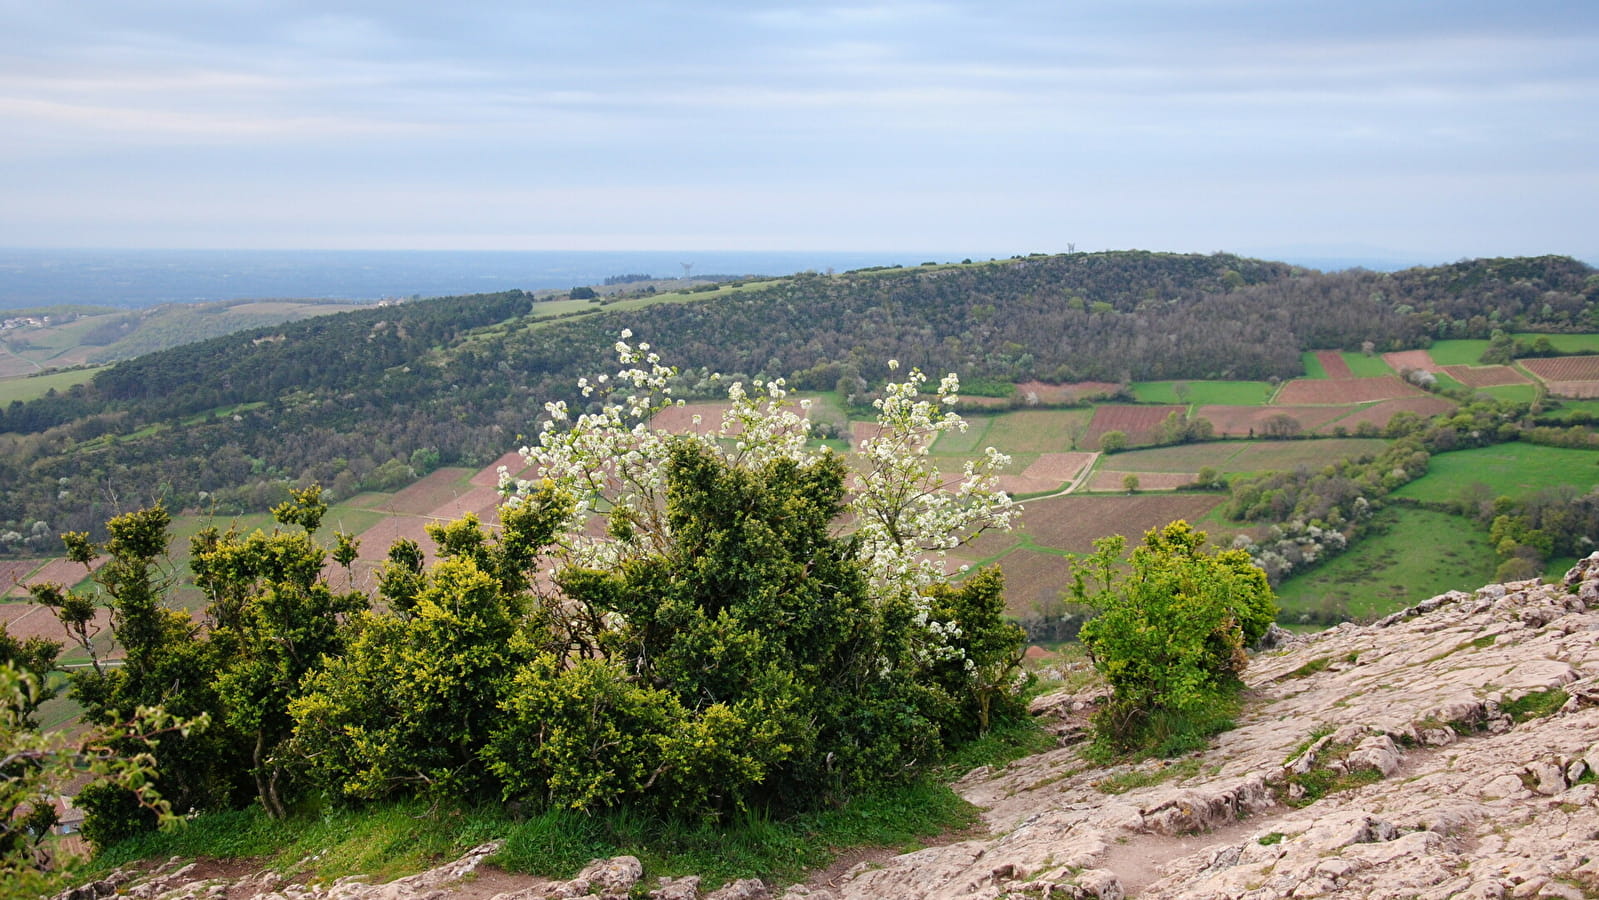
(1169,636)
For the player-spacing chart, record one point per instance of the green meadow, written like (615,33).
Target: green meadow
(32,387)
(1514,469)
(1203,393)
(1409,555)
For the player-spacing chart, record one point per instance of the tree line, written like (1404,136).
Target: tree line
(349,401)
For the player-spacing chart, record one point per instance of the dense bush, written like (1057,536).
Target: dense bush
(1169,636)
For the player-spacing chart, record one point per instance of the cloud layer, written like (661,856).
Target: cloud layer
(1451,130)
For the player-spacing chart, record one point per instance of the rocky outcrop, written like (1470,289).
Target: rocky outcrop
(1449,750)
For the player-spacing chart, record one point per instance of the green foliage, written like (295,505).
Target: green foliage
(1535,705)
(37,768)
(1169,635)
(1113,441)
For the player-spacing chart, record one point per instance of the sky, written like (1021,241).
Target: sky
(1364,127)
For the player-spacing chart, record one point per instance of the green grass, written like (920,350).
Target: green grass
(1364,366)
(32,387)
(1031,431)
(1565,343)
(1203,393)
(1563,407)
(1411,554)
(1137,778)
(1520,393)
(1535,705)
(1457,353)
(385,841)
(968,442)
(1448,382)
(1246,456)
(1514,469)
(1313,367)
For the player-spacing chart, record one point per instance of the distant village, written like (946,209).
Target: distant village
(25,322)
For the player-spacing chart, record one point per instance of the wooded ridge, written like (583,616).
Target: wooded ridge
(368,399)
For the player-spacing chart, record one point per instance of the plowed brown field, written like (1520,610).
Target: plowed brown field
(1067,393)
(14,574)
(1073,521)
(1577,390)
(1137,422)
(1411,359)
(1049,472)
(1111,481)
(433,491)
(1247,420)
(1345,390)
(1379,414)
(1333,363)
(1485,376)
(1564,368)
(490,474)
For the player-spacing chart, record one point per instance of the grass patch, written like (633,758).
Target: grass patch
(1137,778)
(1515,469)
(1536,705)
(1325,777)
(387,841)
(1561,408)
(31,387)
(1518,393)
(1231,457)
(1363,366)
(1407,555)
(1457,353)
(1031,431)
(1203,393)
(1267,840)
(1565,343)
(1313,366)
(1319,664)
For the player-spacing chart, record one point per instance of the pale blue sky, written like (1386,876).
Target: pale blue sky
(1437,129)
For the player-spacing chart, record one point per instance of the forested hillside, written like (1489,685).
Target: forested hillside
(371,398)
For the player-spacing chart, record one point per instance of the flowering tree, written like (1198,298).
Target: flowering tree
(735,617)
(903,512)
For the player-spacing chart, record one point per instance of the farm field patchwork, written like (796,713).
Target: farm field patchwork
(1409,555)
(1514,469)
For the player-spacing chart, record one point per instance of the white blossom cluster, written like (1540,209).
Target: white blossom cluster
(909,515)
(905,513)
